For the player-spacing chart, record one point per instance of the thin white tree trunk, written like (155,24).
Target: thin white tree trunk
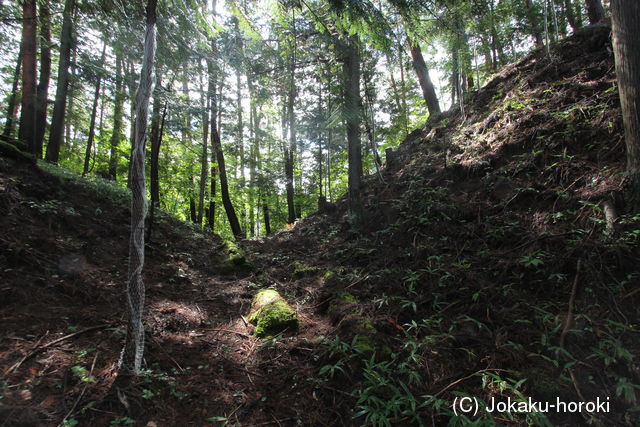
(131,359)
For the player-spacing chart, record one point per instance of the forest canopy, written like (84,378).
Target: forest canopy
(287,85)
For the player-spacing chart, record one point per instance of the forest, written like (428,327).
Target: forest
(319,212)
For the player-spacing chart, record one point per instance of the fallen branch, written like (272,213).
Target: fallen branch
(242,334)
(38,349)
(572,299)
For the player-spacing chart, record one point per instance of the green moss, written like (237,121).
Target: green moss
(271,314)
(367,345)
(344,304)
(347,297)
(264,297)
(236,255)
(10,150)
(301,270)
(236,260)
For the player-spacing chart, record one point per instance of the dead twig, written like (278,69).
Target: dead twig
(242,334)
(37,349)
(467,377)
(75,404)
(166,353)
(572,299)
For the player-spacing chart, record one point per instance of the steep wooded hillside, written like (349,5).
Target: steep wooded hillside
(487,258)
(485,268)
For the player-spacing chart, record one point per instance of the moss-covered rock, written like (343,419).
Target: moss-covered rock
(236,261)
(271,314)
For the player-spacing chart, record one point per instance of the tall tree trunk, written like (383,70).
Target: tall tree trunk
(428,91)
(131,72)
(532,16)
(353,114)
(45,75)
(320,134)
(94,112)
(496,43)
(204,161)
(578,11)
(569,13)
(396,94)
(625,18)
(134,347)
(224,184)
(211,211)
(289,160)
(369,121)
(267,221)
(118,109)
(217,147)
(29,63)
(157,127)
(329,191)
(11,102)
(211,91)
(193,208)
(60,105)
(403,88)
(240,133)
(595,11)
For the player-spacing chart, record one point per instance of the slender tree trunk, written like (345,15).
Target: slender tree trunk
(29,63)
(370,123)
(595,11)
(455,76)
(240,132)
(253,160)
(496,43)
(57,121)
(267,221)
(625,18)
(157,121)
(394,88)
(351,73)
(571,17)
(132,112)
(204,161)
(428,91)
(217,149)
(11,102)
(132,354)
(118,108)
(289,160)
(94,112)
(578,12)
(320,133)
(403,87)
(193,208)
(532,15)
(45,75)
(102,108)
(211,211)
(329,144)
(224,184)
